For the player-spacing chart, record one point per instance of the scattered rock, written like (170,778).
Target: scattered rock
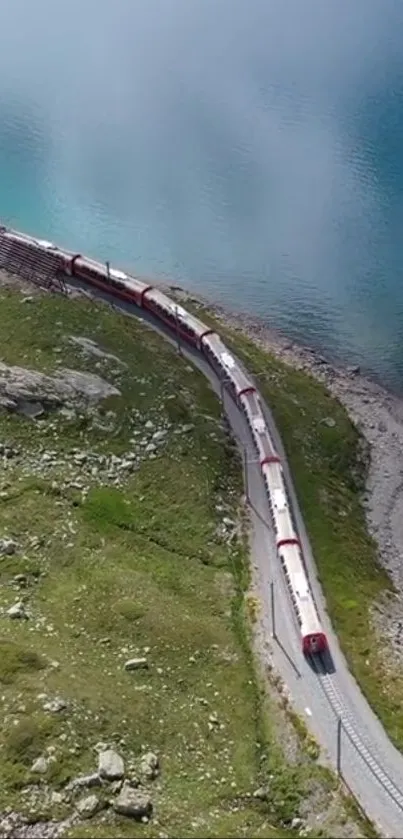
(40,765)
(85,781)
(133,802)
(55,705)
(136,664)
(110,765)
(88,806)
(7,547)
(296,822)
(20,580)
(149,766)
(116,786)
(17,826)
(329,421)
(17,611)
(261,794)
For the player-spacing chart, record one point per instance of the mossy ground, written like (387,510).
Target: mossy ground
(329,467)
(134,569)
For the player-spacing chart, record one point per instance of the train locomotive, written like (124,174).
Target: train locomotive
(18,251)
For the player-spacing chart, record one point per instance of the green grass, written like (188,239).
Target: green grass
(135,568)
(329,467)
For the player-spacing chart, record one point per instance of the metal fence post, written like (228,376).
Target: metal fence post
(273,614)
(245,472)
(338,758)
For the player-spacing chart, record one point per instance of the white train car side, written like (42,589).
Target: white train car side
(227,367)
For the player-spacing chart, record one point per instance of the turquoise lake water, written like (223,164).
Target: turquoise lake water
(251,149)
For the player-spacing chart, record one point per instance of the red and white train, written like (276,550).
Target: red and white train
(22,253)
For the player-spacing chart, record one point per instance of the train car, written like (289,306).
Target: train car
(107,279)
(183,323)
(261,437)
(36,260)
(226,366)
(279,508)
(313,638)
(291,558)
(20,239)
(30,241)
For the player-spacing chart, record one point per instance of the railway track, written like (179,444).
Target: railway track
(348,726)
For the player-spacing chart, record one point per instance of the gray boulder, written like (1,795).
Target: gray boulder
(149,766)
(40,765)
(85,781)
(17,611)
(7,547)
(110,765)
(88,806)
(133,802)
(55,705)
(136,664)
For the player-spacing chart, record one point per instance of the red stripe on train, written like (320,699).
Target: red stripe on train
(271,458)
(207,332)
(245,390)
(292,541)
(144,292)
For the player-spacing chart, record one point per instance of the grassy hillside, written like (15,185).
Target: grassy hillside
(329,464)
(123,538)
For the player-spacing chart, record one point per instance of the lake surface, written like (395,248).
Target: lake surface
(250,149)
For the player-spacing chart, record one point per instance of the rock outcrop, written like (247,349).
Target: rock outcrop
(32,393)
